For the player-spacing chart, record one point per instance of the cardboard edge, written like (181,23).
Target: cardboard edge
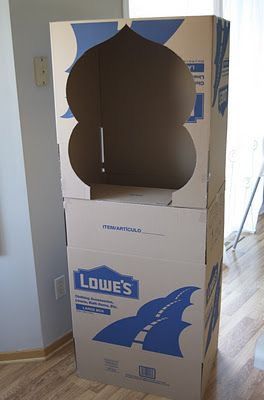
(130,19)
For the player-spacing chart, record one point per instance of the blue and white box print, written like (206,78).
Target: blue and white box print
(162,329)
(105,280)
(146,305)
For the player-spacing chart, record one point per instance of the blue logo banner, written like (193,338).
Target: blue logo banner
(196,67)
(105,280)
(91,309)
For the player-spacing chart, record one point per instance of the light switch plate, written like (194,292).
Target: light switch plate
(41,71)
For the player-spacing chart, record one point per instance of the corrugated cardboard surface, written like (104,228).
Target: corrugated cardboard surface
(167,233)
(214,259)
(139,94)
(199,42)
(136,235)
(219,110)
(156,279)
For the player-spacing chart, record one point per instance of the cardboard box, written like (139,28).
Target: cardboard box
(142,151)
(145,285)
(145,121)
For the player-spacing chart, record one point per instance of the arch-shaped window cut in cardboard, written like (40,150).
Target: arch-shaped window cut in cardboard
(131,97)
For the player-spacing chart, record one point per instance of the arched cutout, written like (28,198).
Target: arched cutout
(131,97)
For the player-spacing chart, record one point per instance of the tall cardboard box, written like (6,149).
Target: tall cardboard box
(142,148)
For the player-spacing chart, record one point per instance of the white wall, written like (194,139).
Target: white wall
(19,308)
(20,265)
(165,8)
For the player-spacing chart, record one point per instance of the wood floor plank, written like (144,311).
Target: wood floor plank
(126,394)
(104,394)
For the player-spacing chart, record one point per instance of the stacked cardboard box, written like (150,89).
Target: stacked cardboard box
(142,151)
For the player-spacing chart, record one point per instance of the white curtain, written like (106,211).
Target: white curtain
(246,94)
(246,108)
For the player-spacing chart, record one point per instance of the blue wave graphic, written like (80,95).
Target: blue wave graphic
(156,327)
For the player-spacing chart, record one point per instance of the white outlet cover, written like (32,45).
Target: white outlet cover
(60,287)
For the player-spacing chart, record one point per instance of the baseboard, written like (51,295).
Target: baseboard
(36,354)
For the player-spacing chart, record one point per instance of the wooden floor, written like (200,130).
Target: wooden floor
(234,377)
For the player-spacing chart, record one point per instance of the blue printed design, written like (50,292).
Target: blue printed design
(226,64)
(92,309)
(222,99)
(214,316)
(198,109)
(196,67)
(90,34)
(68,114)
(222,38)
(156,327)
(105,280)
(159,31)
(212,282)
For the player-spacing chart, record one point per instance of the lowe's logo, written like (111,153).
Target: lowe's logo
(105,280)
(122,228)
